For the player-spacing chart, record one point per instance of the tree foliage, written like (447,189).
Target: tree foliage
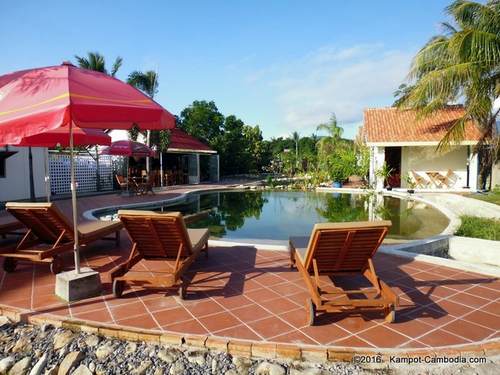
(95,61)
(461,65)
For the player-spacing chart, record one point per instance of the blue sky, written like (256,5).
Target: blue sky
(283,65)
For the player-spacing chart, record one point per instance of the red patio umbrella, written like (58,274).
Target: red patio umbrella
(60,138)
(128,148)
(38,100)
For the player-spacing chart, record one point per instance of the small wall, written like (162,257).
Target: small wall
(16,183)
(426,158)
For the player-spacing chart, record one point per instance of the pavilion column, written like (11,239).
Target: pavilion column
(377,160)
(474,172)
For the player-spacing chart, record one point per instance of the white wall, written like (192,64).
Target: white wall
(16,185)
(421,159)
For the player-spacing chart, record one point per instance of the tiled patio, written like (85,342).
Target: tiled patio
(239,292)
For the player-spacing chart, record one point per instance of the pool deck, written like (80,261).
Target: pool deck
(241,293)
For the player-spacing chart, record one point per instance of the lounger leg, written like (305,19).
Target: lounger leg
(117,237)
(206,250)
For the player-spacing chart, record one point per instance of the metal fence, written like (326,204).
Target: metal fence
(85,171)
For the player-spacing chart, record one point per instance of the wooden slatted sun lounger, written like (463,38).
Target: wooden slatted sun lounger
(419,181)
(336,249)
(161,237)
(50,234)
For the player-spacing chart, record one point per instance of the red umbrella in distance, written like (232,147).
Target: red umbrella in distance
(38,100)
(128,148)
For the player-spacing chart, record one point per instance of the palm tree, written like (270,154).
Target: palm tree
(95,61)
(461,65)
(334,135)
(148,83)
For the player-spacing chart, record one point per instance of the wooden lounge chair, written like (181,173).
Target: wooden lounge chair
(336,249)
(50,234)
(160,237)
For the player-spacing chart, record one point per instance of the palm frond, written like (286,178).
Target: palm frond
(116,66)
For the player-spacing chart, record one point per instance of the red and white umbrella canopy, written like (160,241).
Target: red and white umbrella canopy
(39,100)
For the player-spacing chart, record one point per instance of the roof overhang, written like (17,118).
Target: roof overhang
(416,144)
(188,151)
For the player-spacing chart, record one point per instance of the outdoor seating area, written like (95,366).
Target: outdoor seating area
(433,179)
(247,294)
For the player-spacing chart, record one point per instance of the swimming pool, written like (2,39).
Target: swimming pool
(276,215)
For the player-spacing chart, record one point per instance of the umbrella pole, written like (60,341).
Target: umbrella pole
(73,201)
(47,178)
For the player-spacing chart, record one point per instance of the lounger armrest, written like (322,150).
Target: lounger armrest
(188,219)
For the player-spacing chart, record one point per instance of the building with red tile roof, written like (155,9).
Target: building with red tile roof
(406,143)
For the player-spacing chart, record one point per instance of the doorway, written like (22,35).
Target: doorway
(393,161)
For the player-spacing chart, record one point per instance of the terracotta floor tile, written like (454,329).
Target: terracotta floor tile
(296,318)
(483,292)
(160,303)
(412,328)
(484,319)
(294,337)
(202,307)
(144,321)
(171,316)
(352,342)
(262,295)
(452,308)
(413,344)
(101,316)
(190,327)
(279,305)
(251,313)
(287,289)
(233,301)
(87,305)
(469,300)
(240,332)
(492,308)
(270,327)
(219,321)
(468,330)
(383,337)
(128,310)
(325,334)
(352,323)
(441,338)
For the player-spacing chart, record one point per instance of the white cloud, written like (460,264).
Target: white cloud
(344,81)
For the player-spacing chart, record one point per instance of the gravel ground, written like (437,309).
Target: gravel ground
(34,350)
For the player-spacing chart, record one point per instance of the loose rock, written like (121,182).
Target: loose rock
(82,370)
(62,339)
(131,348)
(21,367)
(6,364)
(92,340)
(167,356)
(177,368)
(141,370)
(71,360)
(52,371)
(22,345)
(40,365)
(266,368)
(4,321)
(104,351)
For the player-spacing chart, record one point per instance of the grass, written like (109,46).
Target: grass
(491,196)
(478,227)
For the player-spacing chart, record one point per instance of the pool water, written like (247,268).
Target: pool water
(276,215)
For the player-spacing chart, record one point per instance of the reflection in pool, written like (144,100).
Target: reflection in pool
(276,215)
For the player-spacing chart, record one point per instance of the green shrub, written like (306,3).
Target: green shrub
(478,227)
